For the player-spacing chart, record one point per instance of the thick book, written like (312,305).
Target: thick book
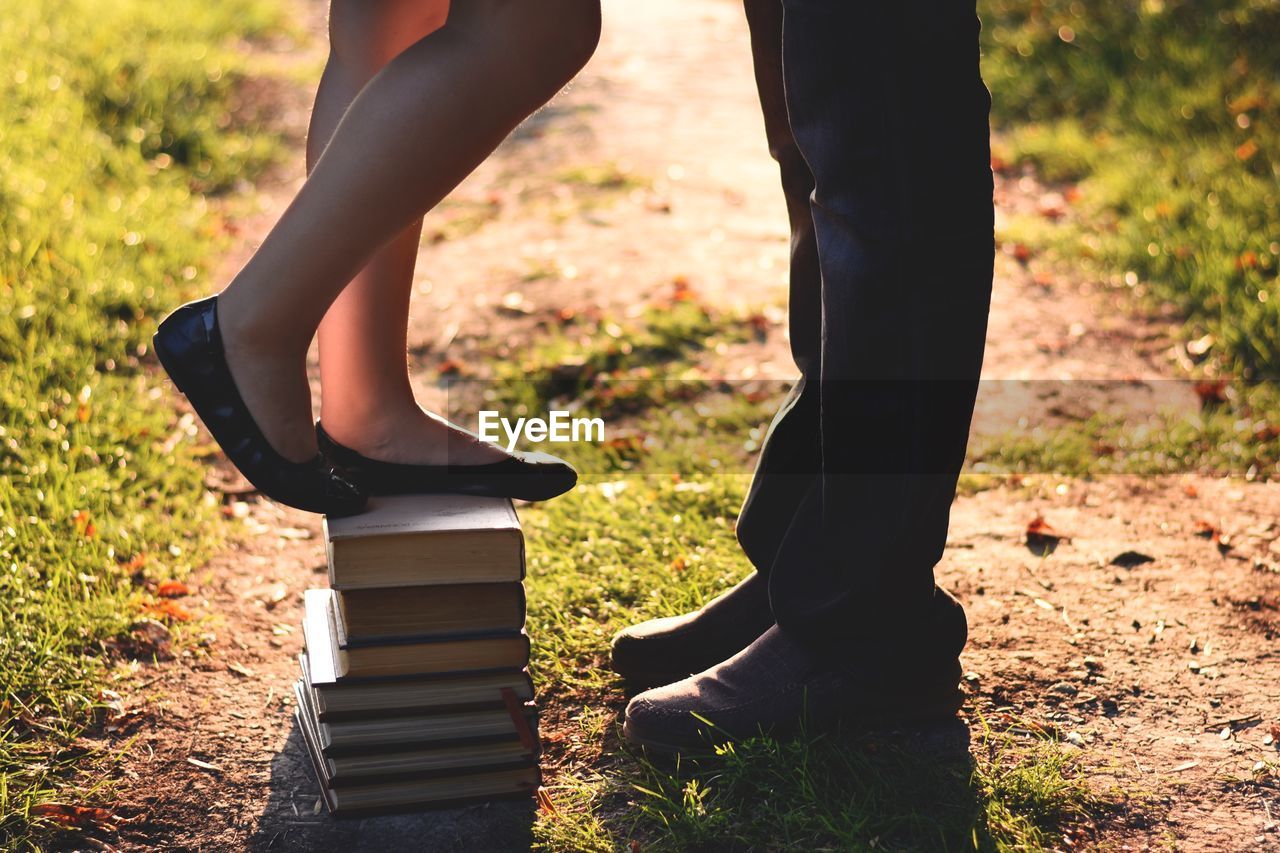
(416,540)
(330,660)
(376,615)
(435,788)
(406,695)
(516,723)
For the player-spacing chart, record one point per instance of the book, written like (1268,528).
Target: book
(330,660)
(382,614)
(439,787)
(415,540)
(405,695)
(513,723)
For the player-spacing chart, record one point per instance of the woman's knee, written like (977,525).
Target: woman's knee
(364,35)
(578,30)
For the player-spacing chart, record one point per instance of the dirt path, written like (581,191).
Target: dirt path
(1162,672)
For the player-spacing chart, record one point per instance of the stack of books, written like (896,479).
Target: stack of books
(415,689)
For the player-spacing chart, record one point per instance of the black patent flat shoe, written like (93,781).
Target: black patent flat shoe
(189,347)
(533,476)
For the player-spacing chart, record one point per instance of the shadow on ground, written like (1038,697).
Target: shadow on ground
(291,821)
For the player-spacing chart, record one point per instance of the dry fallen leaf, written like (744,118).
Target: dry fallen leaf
(1042,537)
(167,608)
(173,589)
(1208,530)
(134,563)
(545,803)
(451,367)
(1041,528)
(84,523)
(681,291)
(1212,392)
(83,817)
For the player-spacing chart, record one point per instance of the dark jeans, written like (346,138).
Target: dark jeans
(877,116)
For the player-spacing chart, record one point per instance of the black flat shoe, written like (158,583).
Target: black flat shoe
(189,346)
(528,476)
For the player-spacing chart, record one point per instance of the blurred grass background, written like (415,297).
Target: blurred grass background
(121,126)
(1165,114)
(117,121)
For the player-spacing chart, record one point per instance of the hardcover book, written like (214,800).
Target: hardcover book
(415,540)
(514,722)
(331,660)
(380,614)
(401,696)
(383,792)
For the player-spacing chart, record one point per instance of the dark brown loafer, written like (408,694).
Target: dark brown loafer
(664,650)
(774,687)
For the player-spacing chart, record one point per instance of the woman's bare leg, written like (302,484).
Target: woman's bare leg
(367,401)
(415,130)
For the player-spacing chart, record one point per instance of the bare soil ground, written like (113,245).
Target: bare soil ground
(1148,645)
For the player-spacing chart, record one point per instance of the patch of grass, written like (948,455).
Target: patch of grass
(601,177)
(643,378)
(830,793)
(1165,116)
(114,120)
(584,190)
(455,218)
(1213,443)
(1168,113)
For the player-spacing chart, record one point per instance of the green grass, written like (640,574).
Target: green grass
(632,546)
(115,119)
(1167,114)
(1216,442)
(1164,118)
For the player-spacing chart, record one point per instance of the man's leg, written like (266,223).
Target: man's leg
(664,650)
(889,112)
(888,108)
(790,460)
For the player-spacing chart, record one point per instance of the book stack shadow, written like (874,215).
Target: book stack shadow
(415,690)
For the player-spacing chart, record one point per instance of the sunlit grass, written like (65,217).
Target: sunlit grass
(115,119)
(1167,113)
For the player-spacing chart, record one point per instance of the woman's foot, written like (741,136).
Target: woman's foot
(193,351)
(271,377)
(439,457)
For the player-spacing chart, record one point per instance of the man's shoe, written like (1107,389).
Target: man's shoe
(775,686)
(661,651)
